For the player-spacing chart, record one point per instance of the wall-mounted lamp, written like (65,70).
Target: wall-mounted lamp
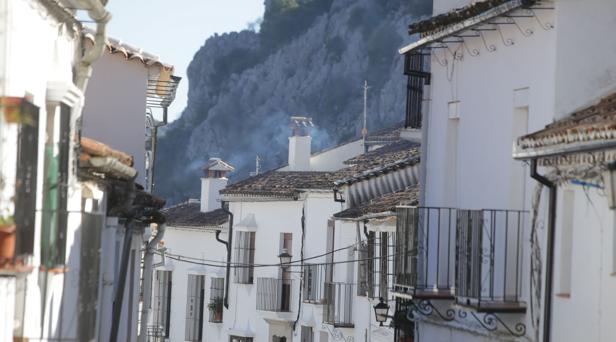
(285,258)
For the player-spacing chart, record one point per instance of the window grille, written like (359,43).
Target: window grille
(90,252)
(338,310)
(245,257)
(233,338)
(217,294)
(25,185)
(194,308)
(162,306)
(314,278)
(274,294)
(414,68)
(362,269)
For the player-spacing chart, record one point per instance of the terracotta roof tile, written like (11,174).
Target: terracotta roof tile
(188,214)
(594,123)
(382,204)
(458,15)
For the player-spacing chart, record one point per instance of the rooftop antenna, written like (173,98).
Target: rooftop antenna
(257,166)
(364,131)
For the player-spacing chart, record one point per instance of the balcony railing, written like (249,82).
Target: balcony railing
(425,249)
(274,294)
(489,259)
(338,310)
(313,286)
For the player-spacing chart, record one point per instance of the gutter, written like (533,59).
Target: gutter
(228,245)
(547,306)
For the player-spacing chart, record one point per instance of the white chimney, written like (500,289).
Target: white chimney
(299,143)
(214,179)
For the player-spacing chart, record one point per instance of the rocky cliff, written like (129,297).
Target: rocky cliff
(310,57)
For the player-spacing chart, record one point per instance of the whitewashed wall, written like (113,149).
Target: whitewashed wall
(198,244)
(116,104)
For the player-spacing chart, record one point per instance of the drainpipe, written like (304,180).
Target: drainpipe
(97,12)
(228,245)
(547,305)
(119,295)
(147,280)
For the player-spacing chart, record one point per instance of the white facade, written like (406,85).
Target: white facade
(479,106)
(40,44)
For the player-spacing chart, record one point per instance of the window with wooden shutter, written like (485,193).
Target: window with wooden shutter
(25,185)
(194,308)
(55,188)
(245,257)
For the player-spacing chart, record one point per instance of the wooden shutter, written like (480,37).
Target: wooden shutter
(25,186)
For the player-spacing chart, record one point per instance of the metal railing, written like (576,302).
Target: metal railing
(338,310)
(489,250)
(156,333)
(424,253)
(313,284)
(274,294)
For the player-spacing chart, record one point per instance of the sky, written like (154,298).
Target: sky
(175,29)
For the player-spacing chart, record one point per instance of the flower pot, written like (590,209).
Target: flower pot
(7,243)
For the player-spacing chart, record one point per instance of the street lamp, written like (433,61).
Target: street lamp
(380,311)
(609,180)
(285,258)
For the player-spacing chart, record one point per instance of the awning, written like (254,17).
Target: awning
(477,17)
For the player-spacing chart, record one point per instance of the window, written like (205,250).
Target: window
(217,294)
(362,269)
(314,276)
(55,186)
(25,185)
(307,334)
(239,339)
(245,257)
(194,308)
(414,68)
(162,304)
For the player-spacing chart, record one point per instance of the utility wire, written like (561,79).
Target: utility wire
(171,255)
(389,257)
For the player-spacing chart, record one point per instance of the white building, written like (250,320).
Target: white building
(44,69)
(498,70)
(276,213)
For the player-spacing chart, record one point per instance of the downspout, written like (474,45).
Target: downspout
(547,305)
(228,245)
(301,256)
(147,280)
(98,13)
(119,295)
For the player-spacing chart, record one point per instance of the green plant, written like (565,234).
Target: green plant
(216,304)
(7,221)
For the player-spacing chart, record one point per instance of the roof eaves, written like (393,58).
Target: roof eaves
(456,27)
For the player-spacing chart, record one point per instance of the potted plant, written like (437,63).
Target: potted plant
(7,239)
(215,307)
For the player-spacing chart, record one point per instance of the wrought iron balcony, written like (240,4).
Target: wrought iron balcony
(425,250)
(489,259)
(338,310)
(274,294)
(313,290)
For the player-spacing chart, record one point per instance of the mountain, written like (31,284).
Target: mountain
(309,58)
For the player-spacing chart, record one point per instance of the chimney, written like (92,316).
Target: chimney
(214,179)
(299,143)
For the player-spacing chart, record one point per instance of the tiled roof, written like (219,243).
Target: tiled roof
(382,160)
(283,183)
(593,125)
(188,214)
(385,203)
(458,15)
(386,154)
